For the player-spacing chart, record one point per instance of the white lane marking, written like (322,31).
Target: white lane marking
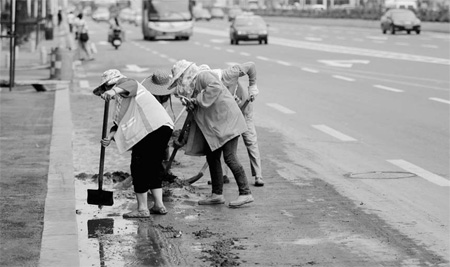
(377,38)
(358,40)
(206,45)
(388,88)
(284,63)
(197,43)
(430,46)
(310,70)
(429,176)
(103,43)
(262,58)
(217,48)
(334,133)
(280,108)
(379,42)
(439,100)
(245,54)
(400,43)
(343,63)
(84,84)
(314,39)
(163,56)
(172,60)
(339,49)
(230,50)
(344,78)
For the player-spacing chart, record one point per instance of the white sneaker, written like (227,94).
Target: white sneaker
(241,200)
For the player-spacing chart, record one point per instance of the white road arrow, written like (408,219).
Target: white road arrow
(135,68)
(343,63)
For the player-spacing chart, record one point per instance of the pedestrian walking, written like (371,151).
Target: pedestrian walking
(142,125)
(82,35)
(217,125)
(70,20)
(230,78)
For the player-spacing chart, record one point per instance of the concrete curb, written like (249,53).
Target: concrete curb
(59,245)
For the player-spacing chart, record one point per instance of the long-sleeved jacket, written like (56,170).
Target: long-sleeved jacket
(217,115)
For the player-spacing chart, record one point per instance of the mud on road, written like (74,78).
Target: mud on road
(297,219)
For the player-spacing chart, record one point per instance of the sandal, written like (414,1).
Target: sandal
(137,214)
(160,211)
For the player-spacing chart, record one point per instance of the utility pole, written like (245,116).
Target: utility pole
(12,45)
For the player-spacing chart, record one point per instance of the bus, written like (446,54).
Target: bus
(167,19)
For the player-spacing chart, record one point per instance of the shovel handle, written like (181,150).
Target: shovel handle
(102,148)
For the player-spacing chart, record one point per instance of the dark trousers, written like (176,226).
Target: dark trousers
(146,160)
(229,150)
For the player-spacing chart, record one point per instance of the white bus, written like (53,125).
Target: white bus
(167,19)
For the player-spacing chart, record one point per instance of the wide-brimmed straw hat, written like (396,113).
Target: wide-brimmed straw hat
(109,77)
(158,82)
(178,69)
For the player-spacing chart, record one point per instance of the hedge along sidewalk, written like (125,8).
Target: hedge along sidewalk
(439,27)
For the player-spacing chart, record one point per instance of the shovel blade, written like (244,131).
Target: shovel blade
(100,197)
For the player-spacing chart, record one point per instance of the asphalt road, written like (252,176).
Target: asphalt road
(365,112)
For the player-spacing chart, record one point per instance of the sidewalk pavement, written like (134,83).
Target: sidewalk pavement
(59,244)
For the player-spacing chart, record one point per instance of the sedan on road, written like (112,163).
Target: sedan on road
(101,14)
(400,20)
(248,28)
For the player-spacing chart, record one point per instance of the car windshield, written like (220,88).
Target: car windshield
(249,21)
(403,15)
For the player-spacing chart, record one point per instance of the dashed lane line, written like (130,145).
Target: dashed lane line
(340,49)
(429,176)
(343,78)
(334,133)
(439,100)
(430,46)
(388,88)
(280,108)
(262,58)
(284,63)
(230,50)
(310,70)
(245,54)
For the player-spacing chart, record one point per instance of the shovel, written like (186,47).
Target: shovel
(100,197)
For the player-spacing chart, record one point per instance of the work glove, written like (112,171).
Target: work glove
(108,95)
(253,91)
(189,103)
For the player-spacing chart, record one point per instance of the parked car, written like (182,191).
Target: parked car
(400,20)
(233,12)
(201,14)
(248,28)
(217,13)
(101,14)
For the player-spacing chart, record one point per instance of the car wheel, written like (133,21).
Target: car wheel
(231,41)
(236,42)
(418,31)
(392,29)
(265,41)
(260,41)
(384,31)
(408,32)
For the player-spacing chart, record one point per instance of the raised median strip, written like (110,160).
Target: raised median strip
(59,245)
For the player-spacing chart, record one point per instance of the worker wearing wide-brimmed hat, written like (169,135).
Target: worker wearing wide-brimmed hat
(142,125)
(218,124)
